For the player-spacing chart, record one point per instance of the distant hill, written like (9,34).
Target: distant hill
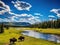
(16,23)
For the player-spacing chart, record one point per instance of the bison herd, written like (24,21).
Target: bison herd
(13,40)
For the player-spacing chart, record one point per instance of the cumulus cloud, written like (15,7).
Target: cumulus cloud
(37,17)
(57,11)
(29,18)
(5,7)
(38,14)
(34,19)
(51,16)
(18,17)
(5,20)
(21,5)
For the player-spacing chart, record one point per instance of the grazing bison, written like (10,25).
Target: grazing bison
(21,38)
(13,40)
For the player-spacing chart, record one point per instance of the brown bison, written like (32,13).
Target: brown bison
(13,40)
(21,38)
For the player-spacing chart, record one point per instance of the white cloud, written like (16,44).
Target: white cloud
(5,20)
(31,19)
(37,17)
(38,14)
(56,11)
(21,5)
(51,16)
(5,8)
(24,15)
(34,19)
(17,17)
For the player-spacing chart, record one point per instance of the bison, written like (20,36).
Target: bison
(21,38)
(13,40)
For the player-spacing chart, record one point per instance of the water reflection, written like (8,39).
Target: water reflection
(35,34)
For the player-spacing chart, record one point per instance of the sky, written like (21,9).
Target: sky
(32,11)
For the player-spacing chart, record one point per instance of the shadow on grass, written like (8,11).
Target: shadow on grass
(13,44)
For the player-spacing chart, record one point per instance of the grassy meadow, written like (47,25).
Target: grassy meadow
(16,32)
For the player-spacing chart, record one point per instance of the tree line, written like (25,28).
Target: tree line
(47,24)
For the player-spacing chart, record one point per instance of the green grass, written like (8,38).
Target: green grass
(48,30)
(13,32)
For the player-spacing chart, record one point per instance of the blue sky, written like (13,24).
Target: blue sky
(31,11)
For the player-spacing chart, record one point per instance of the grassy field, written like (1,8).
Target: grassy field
(48,30)
(13,32)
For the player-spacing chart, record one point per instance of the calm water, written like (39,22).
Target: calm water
(35,34)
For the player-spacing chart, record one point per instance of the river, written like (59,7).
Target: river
(49,37)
